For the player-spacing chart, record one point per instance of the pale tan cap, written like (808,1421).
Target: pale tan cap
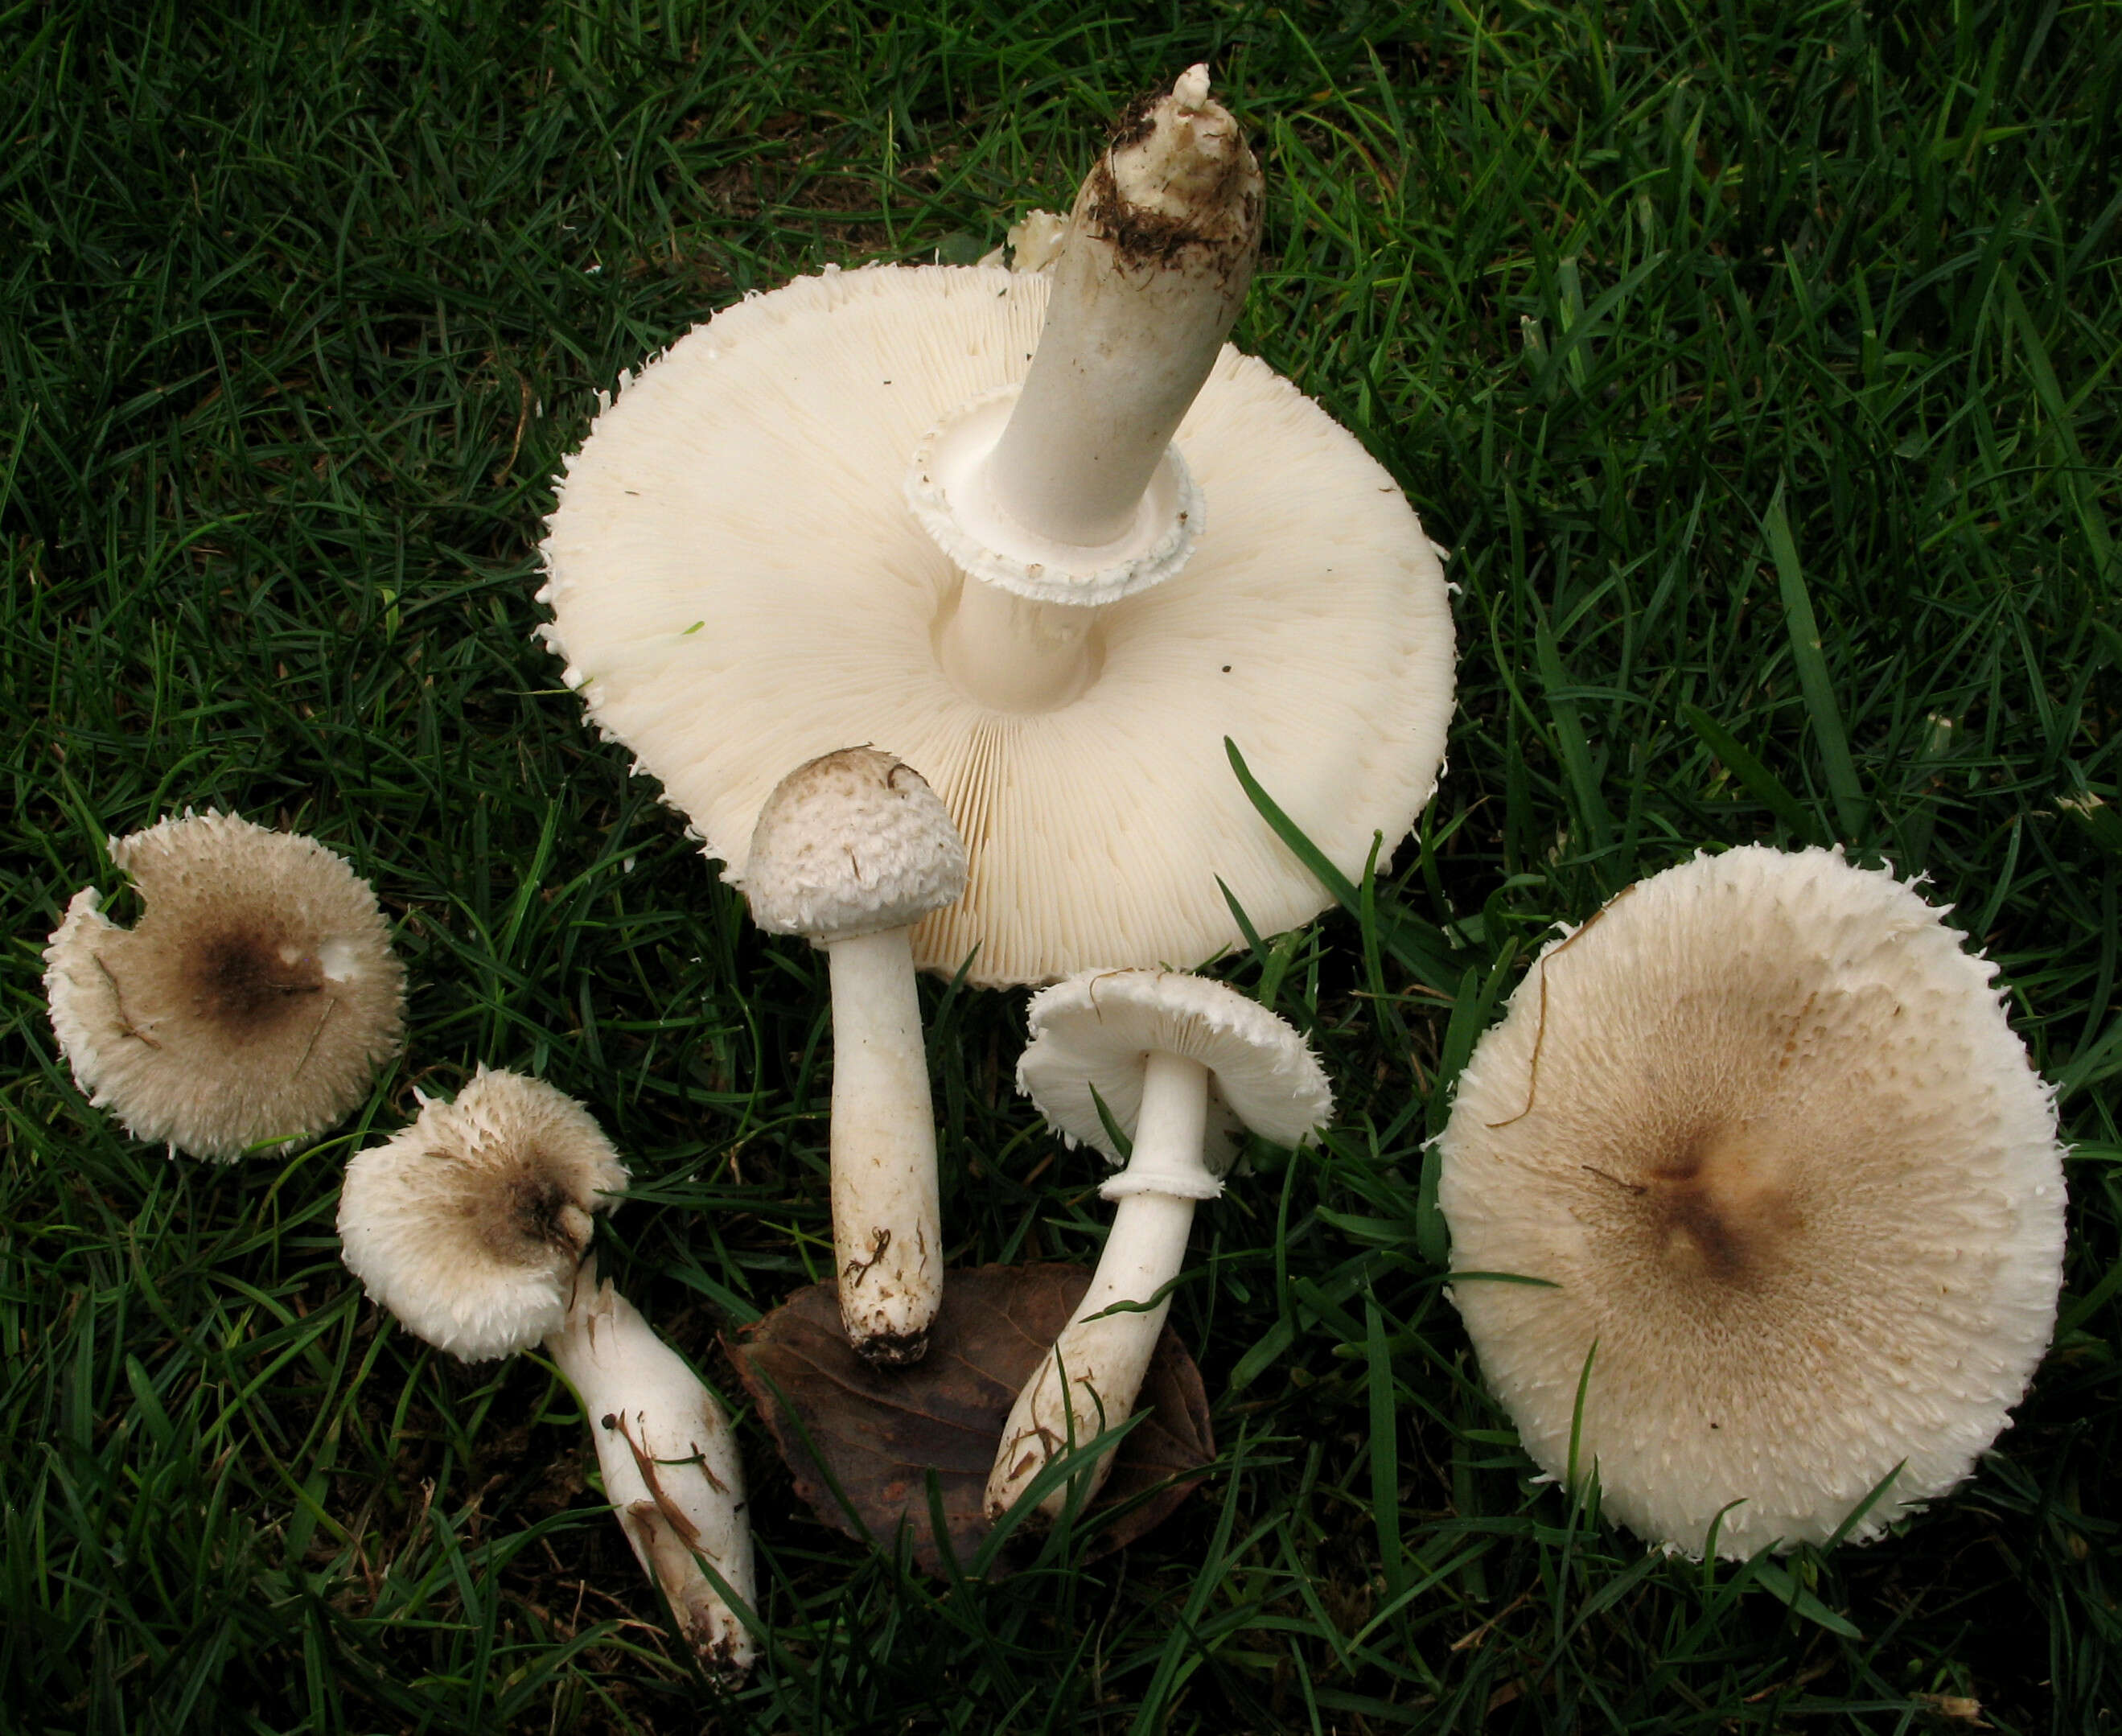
(469,1225)
(1762,1127)
(252,1004)
(852,842)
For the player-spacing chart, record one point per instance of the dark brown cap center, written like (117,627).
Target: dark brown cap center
(1717,1208)
(248,981)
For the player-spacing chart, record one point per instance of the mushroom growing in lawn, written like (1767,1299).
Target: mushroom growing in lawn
(851,848)
(827,516)
(252,1003)
(1793,1192)
(1180,1064)
(472,1226)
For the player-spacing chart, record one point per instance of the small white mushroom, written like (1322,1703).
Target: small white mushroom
(468,1225)
(1180,1064)
(472,1226)
(1794,1192)
(251,1005)
(851,849)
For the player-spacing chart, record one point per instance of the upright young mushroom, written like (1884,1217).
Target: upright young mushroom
(472,1226)
(251,1005)
(1180,1064)
(787,534)
(851,849)
(1792,1192)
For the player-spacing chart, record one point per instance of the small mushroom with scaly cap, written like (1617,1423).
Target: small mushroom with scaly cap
(1794,1192)
(472,1226)
(251,1005)
(851,848)
(468,1225)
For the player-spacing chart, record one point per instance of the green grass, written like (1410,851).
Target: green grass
(1762,364)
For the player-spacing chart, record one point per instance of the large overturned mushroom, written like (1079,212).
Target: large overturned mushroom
(857,509)
(250,1006)
(1791,1193)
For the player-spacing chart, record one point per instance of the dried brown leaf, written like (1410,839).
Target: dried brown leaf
(877,1432)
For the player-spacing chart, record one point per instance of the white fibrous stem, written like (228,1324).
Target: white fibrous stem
(1152,271)
(1153,268)
(887,1222)
(1012,654)
(670,1465)
(1089,1381)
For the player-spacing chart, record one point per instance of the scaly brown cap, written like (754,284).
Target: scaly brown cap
(469,1225)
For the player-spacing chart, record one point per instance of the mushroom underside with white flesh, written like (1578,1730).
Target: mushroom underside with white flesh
(670,1464)
(850,850)
(1182,1064)
(250,1006)
(1792,1190)
(734,542)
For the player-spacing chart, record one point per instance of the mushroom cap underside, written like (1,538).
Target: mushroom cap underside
(738,585)
(1091,1036)
(469,1225)
(251,1005)
(1762,1127)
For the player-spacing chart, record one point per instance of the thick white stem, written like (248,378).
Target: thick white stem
(887,1225)
(1152,271)
(1013,654)
(670,1464)
(1089,1382)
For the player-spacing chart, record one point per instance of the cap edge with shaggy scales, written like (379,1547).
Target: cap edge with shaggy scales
(251,1005)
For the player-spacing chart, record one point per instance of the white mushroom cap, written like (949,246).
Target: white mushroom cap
(850,844)
(469,1225)
(1095,1032)
(254,1001)
(738,585)
(1788,1169)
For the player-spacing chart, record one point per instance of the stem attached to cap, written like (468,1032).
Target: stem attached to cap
(1088,1382)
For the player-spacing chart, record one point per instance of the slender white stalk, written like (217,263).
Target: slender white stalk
(1090,1380)
(670,1464)
(887,1222)
(1152,271)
